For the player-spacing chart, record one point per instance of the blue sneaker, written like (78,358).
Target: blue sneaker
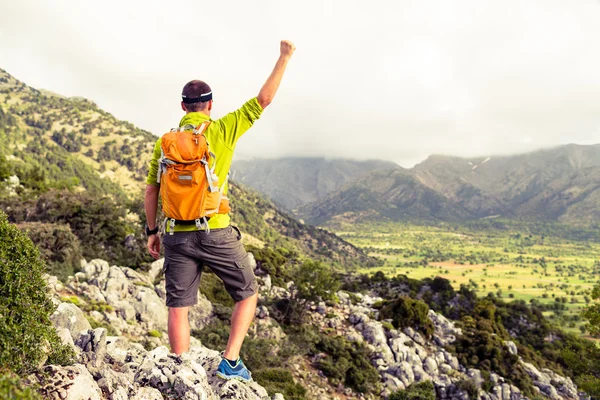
(238,371)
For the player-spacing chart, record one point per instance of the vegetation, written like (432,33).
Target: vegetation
(406,312)
(59,247)
(104,227)
(27,337)
(11,387)
(416,391)
(520,263)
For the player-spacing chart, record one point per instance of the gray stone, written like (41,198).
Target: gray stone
(69,316)
(430,366)
(155,269)
(373,333)
(147,393)
(512,347)
(200,314)
(548,390)
(150,308)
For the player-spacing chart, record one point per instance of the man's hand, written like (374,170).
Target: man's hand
(267,92)
(154,246)
(287,48)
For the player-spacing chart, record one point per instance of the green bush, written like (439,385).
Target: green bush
(100,223)
(214,290)
(280,380)
(406,312)
(58,246)
(11,387)
(468,387)
(416,391)
(348,363)
(26,334)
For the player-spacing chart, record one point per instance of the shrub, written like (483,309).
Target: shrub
(348,363)
(279,380)
(26,333)
(11,387)
(214,290)
(468,387)
(58,246)
(416,391)
(406,312)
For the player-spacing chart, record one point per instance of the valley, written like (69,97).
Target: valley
(556,273)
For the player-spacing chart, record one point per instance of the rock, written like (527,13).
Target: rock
(430,366)
(69,383)
(277,396)
(147,394)
(512,347)
(200,314)
(69,316)
(548,390)
(190,382)
(262,312)
(445,369)
(93,347)
(322,308)
(65,337)
(373,333)
(150,308)
(420,374)
(155,269)
(475,376)
(266,283)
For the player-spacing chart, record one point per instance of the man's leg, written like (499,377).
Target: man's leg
(242,316)
(179,329)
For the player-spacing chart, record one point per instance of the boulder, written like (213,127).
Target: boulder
(69,316)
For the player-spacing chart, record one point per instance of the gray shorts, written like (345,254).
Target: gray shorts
(221,250)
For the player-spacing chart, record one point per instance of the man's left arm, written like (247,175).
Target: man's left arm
(236,123)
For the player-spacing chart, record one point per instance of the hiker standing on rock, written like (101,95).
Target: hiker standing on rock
(189,170)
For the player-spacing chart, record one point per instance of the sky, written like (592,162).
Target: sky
(394,80)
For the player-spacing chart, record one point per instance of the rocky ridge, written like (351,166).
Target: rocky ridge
(113,360)
(126,355)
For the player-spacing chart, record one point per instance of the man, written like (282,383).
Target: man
(188,248)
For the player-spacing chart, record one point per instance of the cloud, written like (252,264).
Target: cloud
(392,80)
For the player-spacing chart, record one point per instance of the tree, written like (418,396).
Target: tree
(26,333)
(592,313)
(313,282)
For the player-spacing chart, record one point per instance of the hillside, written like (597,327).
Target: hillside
(295,181)
(70,140)
(561,184)
(392,195)
(81,172)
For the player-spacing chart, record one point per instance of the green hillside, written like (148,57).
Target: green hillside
(81,174)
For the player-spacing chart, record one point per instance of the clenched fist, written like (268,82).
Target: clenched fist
(287,48)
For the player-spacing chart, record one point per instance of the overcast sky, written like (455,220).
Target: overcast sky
(395,80)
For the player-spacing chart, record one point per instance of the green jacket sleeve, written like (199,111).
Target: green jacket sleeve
(236,123)
(153,170)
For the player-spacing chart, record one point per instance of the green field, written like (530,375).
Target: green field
(511,264)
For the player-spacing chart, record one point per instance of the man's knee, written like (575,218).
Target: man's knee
(178,313)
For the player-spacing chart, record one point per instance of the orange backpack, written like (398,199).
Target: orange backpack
(189,188)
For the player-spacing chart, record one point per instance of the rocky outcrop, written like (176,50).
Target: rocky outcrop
(126,356)
(405,357)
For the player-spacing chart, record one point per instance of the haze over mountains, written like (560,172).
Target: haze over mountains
(559,184)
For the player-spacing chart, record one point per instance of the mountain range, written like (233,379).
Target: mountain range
(560,184)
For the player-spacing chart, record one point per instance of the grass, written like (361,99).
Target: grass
(521,266)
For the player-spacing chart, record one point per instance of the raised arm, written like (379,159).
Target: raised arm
(267,92)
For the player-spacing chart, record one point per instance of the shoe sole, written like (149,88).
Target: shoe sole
(233,378)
